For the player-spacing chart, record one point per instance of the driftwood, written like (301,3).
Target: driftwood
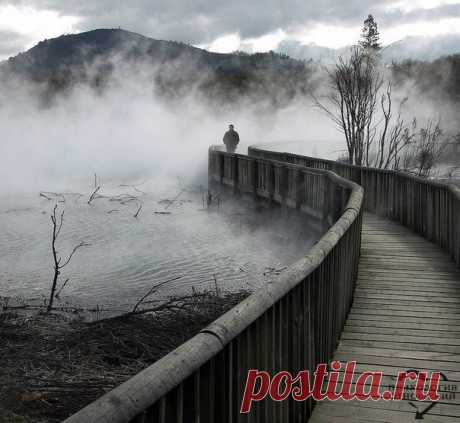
(53,196)
(59,196)
(171,202)
(45,196)
(124,198)
(134,187)
(138,211)
(93,195)
(152,290)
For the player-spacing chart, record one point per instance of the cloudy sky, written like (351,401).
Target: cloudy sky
(252,25)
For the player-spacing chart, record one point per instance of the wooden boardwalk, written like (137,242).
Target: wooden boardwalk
(405,315)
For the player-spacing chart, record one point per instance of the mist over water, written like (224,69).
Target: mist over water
(237,245)
(127,135)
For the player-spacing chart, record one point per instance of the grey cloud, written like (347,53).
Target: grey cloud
(202,21)
(395,17)
(11,43)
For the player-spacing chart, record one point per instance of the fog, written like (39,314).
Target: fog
(129,133)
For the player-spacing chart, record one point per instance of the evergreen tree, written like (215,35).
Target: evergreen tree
(370,35)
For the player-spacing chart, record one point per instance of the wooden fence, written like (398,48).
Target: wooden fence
(429,208)
(290,324)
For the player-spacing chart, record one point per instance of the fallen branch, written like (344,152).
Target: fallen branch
(175,198)
(151,291)
(45,196)
(138,211)
(93,195)
(215,283)
(134,187)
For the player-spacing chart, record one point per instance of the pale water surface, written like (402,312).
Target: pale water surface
(127,255)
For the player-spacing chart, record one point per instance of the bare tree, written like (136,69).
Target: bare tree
(58,262)
(363,110)
(425,150)
(351,104)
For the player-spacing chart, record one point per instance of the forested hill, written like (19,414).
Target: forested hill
(92,57)
(175,69)
(439,78)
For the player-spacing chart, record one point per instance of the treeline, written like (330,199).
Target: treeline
(172,69)
(440,77)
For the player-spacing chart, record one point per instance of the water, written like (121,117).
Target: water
(128,255)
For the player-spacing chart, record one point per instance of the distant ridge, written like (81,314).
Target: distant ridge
(426,48)
(91,57)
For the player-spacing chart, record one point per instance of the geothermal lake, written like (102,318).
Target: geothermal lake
(243,247)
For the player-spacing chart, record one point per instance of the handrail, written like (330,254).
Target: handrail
(292,323)
(429,208)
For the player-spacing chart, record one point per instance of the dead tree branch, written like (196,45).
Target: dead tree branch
(58,263)
(138,211)
(93,195)
(153,289)
(363,110)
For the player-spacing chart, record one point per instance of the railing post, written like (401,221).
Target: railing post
(255,176)
(221,168)
(235,174)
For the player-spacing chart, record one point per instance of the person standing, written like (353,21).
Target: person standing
(231,139)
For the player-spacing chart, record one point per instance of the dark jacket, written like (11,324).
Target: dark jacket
(231,138)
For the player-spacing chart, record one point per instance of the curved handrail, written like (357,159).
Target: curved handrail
(223,348)
(430,208)
(287,157)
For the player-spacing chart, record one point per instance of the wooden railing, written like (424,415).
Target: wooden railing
(429,208)
(291,324)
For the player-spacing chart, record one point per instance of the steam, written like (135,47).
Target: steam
(129,132)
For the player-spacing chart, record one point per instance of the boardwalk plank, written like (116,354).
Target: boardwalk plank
(394,325)
(334,410)
(405,314)
(400,331)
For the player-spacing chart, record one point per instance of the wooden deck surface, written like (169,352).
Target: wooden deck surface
(405,315)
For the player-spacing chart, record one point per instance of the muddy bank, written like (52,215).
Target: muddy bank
(53,365)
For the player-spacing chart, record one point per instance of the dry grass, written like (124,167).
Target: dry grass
(53,365)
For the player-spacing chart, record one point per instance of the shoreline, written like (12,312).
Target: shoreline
(55,364)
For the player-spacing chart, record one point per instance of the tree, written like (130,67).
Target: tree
(351,104)
(370,35)
(58,263)
(361,105)
(426,149)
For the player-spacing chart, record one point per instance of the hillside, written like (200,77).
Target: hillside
(92,57)
(439,79)
(427,48)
